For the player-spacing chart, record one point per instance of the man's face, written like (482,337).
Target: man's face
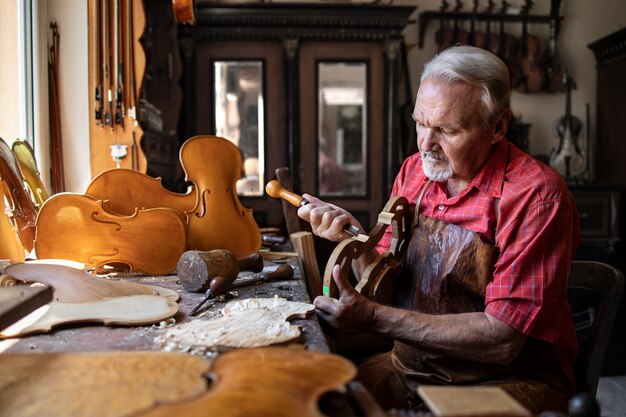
(451,137)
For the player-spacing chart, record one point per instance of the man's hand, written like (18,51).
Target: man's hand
(351,312)
(327,220)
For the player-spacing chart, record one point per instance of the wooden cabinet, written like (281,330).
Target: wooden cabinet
(290,48)
(610,143)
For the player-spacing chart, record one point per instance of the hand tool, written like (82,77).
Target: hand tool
(196,269)
(275,189)
(222,283)
(218,285)
(283,272)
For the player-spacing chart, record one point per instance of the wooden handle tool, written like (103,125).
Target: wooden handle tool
(217,286)
(196,269)
(283,272)
(276,190)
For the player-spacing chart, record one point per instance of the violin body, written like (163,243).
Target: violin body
(80,228)
(21,205)
(28,165)
(219,221)
(532,78)
(127,190)
(11,247)
(214,217)
(567,157)
(552,65)
(488,39)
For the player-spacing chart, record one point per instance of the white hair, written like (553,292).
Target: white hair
(476,67)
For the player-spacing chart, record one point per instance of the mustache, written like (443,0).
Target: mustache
(435,155)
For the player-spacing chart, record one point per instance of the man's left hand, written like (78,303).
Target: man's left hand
(351,312)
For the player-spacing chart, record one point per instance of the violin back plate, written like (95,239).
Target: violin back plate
(128,190)
(266,382)
(80,228)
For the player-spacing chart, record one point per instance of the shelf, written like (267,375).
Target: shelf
(482,17)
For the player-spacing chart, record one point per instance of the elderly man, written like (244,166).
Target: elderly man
(483,300)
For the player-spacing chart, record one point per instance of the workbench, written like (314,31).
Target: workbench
(94,337)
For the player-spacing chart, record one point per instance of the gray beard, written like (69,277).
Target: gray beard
(430,171)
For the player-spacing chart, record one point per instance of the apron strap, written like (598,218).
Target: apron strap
(416,219)
(497,200)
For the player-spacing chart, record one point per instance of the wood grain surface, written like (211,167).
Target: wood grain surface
(96,384)
(266,382)
(128,310)
(72,285)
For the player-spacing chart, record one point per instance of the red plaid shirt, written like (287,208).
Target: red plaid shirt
(537,232)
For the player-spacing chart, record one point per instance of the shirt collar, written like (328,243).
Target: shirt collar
(490,178)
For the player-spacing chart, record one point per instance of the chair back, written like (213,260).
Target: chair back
(603,284)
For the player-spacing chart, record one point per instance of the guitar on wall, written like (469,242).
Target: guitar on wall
(117,64)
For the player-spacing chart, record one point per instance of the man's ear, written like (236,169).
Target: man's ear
(501,126)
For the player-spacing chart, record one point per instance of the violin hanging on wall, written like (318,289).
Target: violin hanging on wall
(532,78)
(567,157)
(550,62)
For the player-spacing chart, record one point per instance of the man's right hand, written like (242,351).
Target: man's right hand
(327,220)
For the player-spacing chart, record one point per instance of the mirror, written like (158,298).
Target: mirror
(342,129)
(239,117)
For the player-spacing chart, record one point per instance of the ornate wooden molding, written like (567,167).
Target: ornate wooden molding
(610,47)
(303,21)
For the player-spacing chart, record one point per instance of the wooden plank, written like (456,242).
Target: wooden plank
(305,247)
(20,300)
(470,401)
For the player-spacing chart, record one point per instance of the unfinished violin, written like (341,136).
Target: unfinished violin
(219,220)
(28,165)
(127,190)
(11,247)
(376,281)
(214,216)
(80,228)
(21,205)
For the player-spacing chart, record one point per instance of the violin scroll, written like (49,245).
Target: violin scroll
(397,213)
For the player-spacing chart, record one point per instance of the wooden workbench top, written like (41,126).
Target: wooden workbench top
(90,338)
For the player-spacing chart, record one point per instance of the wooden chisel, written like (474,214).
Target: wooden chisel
(276,190)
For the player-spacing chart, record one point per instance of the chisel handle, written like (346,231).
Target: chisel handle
(276,190)
(217,286)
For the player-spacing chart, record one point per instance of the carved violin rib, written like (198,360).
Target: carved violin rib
(83,229)
(376,281)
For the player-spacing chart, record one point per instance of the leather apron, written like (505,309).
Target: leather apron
(447,270)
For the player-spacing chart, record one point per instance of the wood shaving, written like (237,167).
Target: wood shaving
(249,323)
